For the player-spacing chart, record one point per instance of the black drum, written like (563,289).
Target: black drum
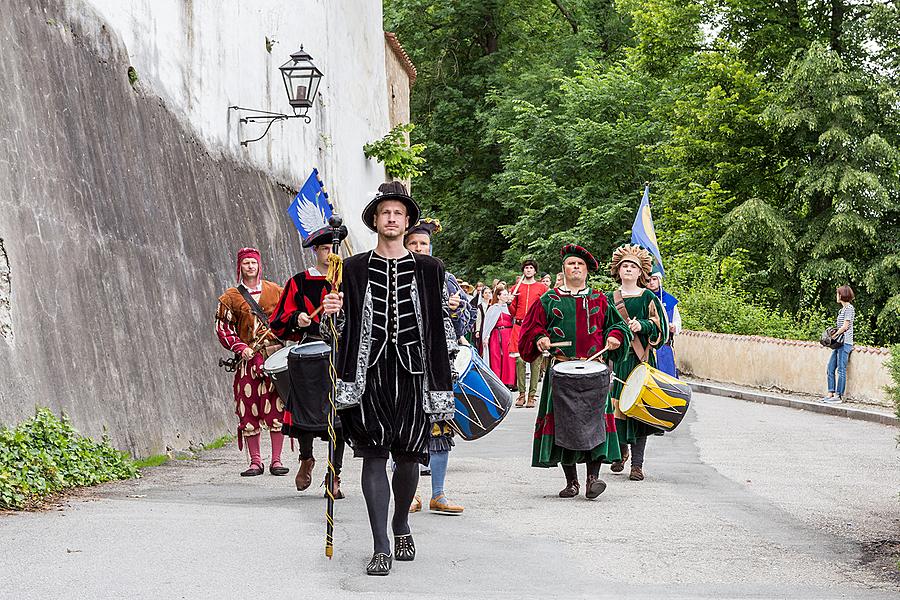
(579,403)
(310,384)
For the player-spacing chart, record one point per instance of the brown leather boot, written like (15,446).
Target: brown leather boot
(530,403)
(637,474)
(335,488)
(594,487)
(304,474)
(619,465)
(520,401)
(571,490)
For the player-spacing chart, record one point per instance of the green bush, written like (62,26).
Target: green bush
(712,297)
(401,160)
(45,455)
(893,366)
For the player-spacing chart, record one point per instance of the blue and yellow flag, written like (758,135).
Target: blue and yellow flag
(643,232)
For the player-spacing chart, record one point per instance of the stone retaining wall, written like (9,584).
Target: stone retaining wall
(122,206)
(790,365)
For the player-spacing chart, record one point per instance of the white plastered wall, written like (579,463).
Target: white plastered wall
(203,56)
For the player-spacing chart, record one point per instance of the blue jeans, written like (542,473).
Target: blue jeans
(838,361)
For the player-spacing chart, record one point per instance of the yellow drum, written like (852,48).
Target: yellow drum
(655,398)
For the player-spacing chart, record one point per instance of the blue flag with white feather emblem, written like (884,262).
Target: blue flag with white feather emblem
(310,209)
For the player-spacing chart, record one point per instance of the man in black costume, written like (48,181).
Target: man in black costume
(393,364)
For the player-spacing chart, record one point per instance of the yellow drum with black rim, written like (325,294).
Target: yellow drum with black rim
(655,398)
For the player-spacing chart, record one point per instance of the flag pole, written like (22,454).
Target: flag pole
(334,277)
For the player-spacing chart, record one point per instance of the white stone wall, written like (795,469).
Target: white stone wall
(202,56)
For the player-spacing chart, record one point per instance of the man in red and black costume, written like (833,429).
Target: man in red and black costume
(297,317)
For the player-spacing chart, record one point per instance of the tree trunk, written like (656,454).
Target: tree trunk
(838,10)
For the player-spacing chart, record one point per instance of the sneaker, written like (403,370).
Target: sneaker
(832,400)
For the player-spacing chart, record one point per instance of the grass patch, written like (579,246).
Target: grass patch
(152,461)
(46,455)
(218,443)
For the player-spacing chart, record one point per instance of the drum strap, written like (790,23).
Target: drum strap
(255,308)
(643,353)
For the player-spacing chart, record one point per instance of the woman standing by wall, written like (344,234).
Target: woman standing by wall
(496,334)
(841,355)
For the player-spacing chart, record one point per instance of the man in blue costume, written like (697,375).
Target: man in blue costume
(665,356)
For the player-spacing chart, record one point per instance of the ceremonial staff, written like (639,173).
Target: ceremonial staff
(334,276)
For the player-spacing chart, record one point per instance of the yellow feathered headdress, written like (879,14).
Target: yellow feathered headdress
(634,254)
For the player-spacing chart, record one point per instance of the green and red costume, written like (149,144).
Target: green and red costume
(586,319)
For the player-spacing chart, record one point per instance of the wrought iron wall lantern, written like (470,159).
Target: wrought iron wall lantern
(301,82)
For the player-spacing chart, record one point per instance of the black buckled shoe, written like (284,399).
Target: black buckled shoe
(404,547)
(571,490)
(594,487)
(380,564)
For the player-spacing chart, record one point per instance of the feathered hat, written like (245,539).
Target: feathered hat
(324,236)
(634,254)
(428,226)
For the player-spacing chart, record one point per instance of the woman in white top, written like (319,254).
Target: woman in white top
(482,304)
(840,356)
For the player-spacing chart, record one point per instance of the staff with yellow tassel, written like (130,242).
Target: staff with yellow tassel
(334,277)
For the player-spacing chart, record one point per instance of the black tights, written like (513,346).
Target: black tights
(377,493)
(593,468)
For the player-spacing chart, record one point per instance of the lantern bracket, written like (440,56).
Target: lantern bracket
(264,116)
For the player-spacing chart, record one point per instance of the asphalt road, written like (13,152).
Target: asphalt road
(743,501)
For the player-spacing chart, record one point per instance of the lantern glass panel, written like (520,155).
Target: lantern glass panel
(301,81)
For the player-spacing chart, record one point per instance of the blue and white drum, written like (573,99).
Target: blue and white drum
(482,401)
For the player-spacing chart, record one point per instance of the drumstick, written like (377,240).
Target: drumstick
(315,312)
(596,355)
(560,344)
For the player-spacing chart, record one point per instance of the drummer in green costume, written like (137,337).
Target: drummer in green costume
(646,319)
(575,314)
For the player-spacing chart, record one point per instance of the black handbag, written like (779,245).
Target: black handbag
(829,340)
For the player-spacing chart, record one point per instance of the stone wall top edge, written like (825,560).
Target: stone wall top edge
(777,341)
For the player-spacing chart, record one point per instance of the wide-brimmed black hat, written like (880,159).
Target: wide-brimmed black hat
(324,236)
(392,190)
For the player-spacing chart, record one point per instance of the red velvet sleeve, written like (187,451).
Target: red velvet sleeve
(281,322)
(534,327)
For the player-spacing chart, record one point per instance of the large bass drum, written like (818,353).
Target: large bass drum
(579,388)
(310,382)
(482,401)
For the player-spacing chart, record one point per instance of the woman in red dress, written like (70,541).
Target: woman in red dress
(496,335)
